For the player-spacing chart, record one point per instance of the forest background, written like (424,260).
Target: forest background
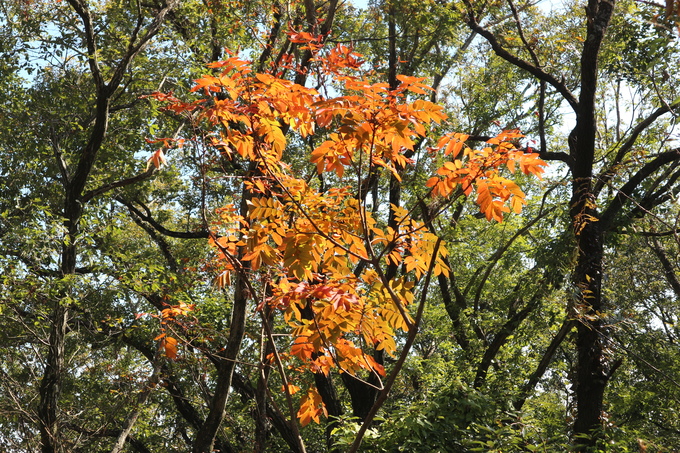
(252,226)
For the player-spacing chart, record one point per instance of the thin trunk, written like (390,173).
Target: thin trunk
(131,419)
(392,56)
(363,394)
(205,438)
(262,424)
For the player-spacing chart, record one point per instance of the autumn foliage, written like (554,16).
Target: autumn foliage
(315,251)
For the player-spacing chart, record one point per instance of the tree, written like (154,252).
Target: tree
(317,253)
(189,328)
(85,83)
(607,188)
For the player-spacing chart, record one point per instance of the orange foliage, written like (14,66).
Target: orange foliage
(309,241)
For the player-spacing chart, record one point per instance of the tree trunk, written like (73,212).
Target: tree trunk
(591,376)
(587,304)
(74,181)
(205,438)
(50,385)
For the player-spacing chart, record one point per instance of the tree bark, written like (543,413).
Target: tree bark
(50,385)
(588,306)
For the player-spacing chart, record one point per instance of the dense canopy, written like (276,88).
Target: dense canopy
(304,226)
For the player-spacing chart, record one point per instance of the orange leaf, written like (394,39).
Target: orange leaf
(292,389)
(157,159)
(311,407)
(223,280)
(170,346)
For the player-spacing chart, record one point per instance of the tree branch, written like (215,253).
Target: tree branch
(520,63)
(531,383)
(84,12)
(87,196)
(146,216)
(501,338)
(402,358)
(134,49)
(626,192)
(610,172)
(108,432)
(668,269)
(495,258)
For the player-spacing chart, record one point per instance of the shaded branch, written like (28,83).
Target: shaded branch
(84,12)
(87,196)
(502,337)
(520,63)
(273,36)
(172,386)
(104,92)
(160,241)
(654,233)
(668,269)
(109,432)
(495,258)
(610,172)
(667,192)
(142,397)
(536,376)
(146,217)
(626,191)
(134,49)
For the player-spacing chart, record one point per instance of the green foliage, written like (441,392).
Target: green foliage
(141,246)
